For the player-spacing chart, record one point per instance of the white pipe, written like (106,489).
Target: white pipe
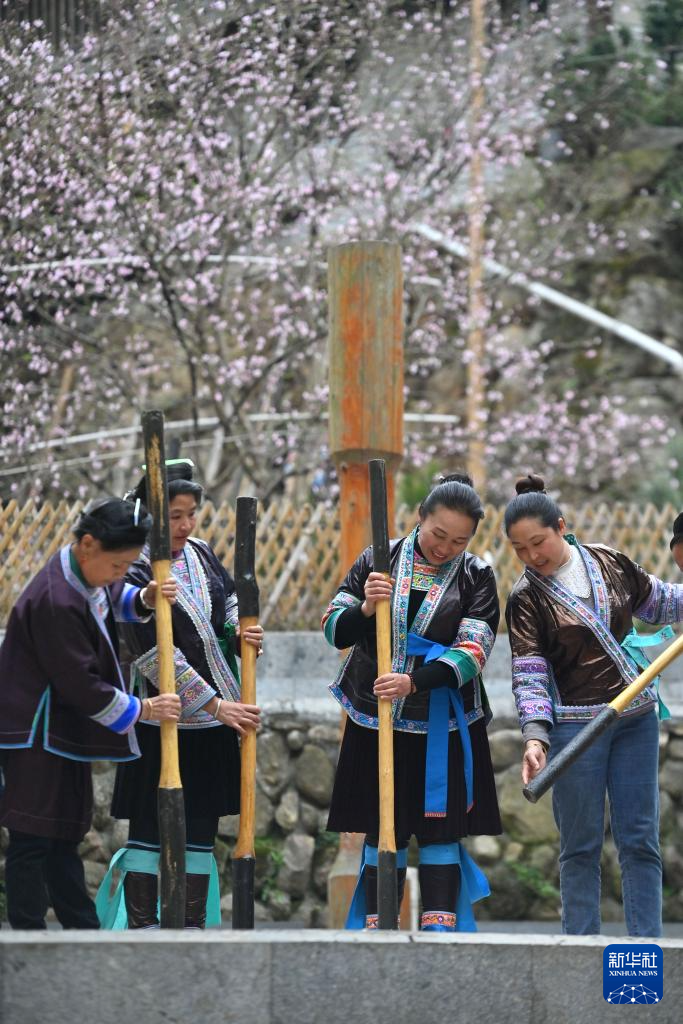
(136,261)
(209,422)
(580,309)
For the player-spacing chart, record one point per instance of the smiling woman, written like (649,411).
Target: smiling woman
(445,614)
(574,648)
(204,620)
(64,703)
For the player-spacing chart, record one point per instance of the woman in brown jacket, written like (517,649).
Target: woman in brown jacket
(574,648)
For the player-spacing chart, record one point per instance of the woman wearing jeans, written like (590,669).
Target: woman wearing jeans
(570,621)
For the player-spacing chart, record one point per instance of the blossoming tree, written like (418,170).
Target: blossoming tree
(171,184)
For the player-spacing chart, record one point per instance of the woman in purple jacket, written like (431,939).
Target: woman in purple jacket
(63,704)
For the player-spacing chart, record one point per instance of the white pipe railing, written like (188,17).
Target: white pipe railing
(547,294)
(204,423)
(542,291)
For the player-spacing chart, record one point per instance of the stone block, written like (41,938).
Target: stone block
(94,873)
(395,979)
(287,812)
(671,779)
(509,899)
(313,819)
(506,748)
(484,849)
(314,775)
(277,977)
(228,825)
(546,860)
(118,835)
(103,790)
(296,740)
(131,980)
(279,904)
(675,748)
(272,763)
(294,875)
(325,734)
(525,822)
(93,847)
(667,814)
(672,860)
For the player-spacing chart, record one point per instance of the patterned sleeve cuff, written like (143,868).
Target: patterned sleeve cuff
(664,605)
(531,689)
(341,603)
(128,605)
(194,693)
(121,714)
(464,665)
(471,649)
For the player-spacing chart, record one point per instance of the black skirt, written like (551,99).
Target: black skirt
(46,795)
(355,798)
(209,772)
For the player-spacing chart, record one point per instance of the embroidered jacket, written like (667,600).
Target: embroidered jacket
(60,679)
(460,612)
(561,668)
(206,601)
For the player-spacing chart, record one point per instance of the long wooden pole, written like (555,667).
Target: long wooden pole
(387,886)
(170,795)
(244,858)
(365,288)
(476,342)
(602,721)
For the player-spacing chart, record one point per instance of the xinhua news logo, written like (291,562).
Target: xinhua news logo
(632,973)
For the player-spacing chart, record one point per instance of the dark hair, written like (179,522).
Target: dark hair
(116,523)
(179,476)
(456,493)
(677,531)
(532,502)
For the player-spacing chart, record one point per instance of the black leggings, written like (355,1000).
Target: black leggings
(40,871)
(439,883)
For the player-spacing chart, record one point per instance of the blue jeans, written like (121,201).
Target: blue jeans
(622,764)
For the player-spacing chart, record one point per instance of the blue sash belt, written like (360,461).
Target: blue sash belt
(441,701)
(633,644)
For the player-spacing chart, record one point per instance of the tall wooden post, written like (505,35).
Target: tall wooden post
(476,342)
(365,285)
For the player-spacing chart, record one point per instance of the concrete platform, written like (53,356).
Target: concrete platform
(273,977)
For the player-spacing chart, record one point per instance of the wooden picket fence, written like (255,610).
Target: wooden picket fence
(59,20)
(298,554)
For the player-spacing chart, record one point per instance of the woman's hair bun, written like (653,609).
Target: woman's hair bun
(458,478)
(530,483)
